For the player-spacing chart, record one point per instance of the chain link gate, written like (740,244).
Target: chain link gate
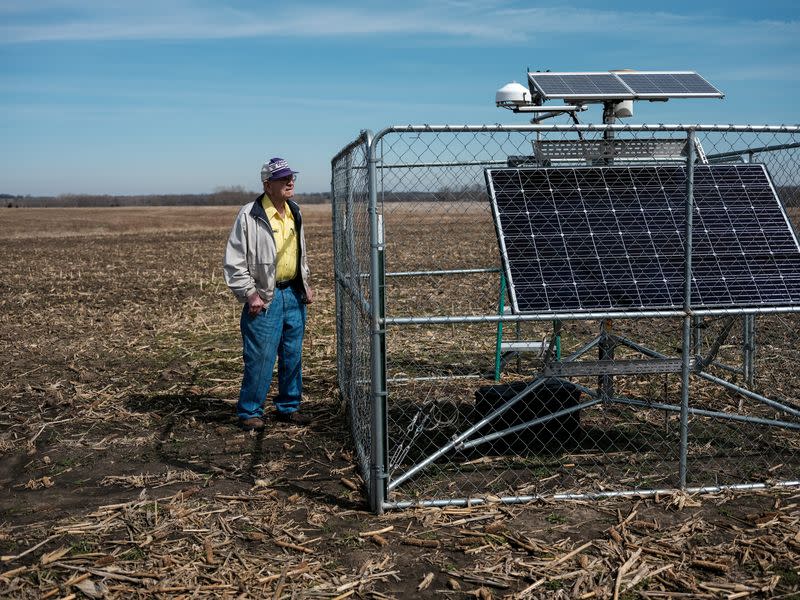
(455,398)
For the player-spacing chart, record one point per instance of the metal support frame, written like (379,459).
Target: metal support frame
(687,307)
(605,354)
(690,362)
(714,379)
(657,363)
(457,441)
(522,426)
(605,347)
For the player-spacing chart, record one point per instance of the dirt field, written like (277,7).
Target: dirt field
(123,474)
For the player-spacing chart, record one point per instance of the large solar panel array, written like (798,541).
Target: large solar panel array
(612,238)
(640,85)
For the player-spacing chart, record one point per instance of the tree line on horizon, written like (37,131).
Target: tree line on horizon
(219,197)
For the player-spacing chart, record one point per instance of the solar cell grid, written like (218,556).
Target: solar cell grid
(579,85)
(622,86)
(667,84)
(596,238)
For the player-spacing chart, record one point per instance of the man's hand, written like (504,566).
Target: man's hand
(254,304)
(309,294)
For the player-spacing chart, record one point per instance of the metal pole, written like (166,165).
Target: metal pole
(605,383)
(501,305)
(537,421)
(352,274)
(557,335)
(750,152)
(711,413)
(605,348)
(584,316)
(442,272)
(340,375)
(686,349)
(748,394)
(378,453)
(749,350)
(697,335)
(586,127)
(709,489)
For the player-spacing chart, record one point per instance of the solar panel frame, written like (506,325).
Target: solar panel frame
(628,85)
(745,250)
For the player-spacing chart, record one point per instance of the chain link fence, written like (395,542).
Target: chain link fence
(457,397)
(351,252)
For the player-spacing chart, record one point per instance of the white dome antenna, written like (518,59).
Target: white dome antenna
(513,95)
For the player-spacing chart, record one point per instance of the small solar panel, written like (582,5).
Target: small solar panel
(638,85)
(579,86)
(663,84)
(612,238)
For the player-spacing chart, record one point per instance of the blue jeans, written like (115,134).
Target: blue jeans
(275,331)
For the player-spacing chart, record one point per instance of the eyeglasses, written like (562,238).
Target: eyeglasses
(286,179)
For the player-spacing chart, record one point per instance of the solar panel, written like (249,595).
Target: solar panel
(639,85)
(579,86)
(612,238)
(663,84)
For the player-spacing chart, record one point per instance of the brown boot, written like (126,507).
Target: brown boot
(252,424)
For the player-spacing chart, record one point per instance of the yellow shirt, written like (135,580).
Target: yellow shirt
(286,246)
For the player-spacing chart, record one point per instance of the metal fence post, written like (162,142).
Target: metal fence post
(338,299)
(686,349)
(378,458)
(749,349)
(353,271)
(350,222)
(338,261)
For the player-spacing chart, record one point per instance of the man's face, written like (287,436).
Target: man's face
(280,189)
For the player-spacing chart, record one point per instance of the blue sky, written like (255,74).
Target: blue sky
(185,96)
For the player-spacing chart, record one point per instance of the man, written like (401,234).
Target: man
(266,269)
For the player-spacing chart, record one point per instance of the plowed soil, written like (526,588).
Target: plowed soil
(123,473)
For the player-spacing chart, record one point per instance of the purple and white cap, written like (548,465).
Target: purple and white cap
(275,168)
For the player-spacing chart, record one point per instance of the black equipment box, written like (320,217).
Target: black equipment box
(554,434)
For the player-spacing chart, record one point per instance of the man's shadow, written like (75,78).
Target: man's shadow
(218,419)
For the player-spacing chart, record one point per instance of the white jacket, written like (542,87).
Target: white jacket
(249,264)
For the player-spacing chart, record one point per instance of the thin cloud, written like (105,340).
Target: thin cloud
(455,21)
(199,21)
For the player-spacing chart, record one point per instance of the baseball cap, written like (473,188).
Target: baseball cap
(275,168)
